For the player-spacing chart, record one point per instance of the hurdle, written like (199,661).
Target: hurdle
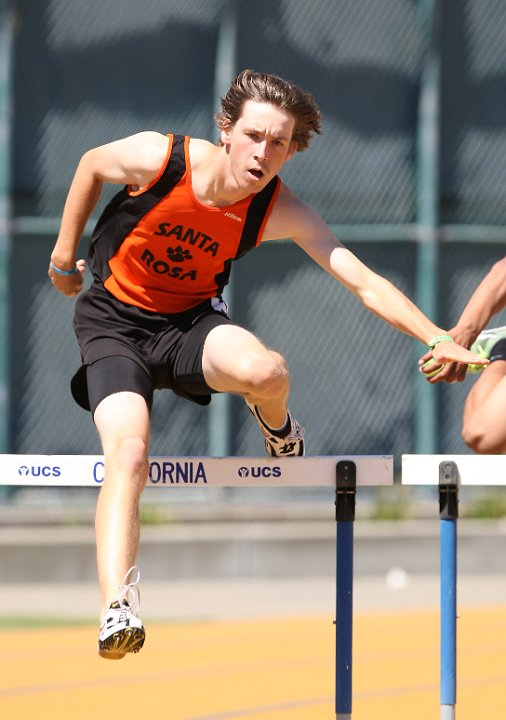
(449,472)
(342,473)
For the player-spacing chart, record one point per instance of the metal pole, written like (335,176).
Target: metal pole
(448,512)
(219,428)
(6,42)
(428,208)
(346,484)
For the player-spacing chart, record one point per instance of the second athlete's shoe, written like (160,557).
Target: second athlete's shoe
(121,631)
(484,344)
(284,443)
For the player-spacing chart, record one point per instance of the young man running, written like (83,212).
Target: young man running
(153,318)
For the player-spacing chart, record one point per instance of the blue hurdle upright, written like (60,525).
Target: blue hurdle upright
(448,514)
(449,472)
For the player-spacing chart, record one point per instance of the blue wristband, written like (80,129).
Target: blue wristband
(64,273)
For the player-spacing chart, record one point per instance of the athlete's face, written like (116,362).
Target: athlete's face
(259,144)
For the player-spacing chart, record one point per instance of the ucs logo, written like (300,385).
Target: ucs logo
(266,471)
(38,470)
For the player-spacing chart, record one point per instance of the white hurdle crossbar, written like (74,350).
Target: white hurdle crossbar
(473,469)
(88,470)
(449,472)
(344,473)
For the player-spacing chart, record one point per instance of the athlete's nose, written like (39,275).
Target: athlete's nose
(260,151)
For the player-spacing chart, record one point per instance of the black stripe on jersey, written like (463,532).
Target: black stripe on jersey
(255,217)
(249,236)
(124,212)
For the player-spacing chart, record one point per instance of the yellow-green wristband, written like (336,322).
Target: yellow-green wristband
(439,338)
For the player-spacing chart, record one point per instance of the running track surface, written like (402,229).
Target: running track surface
(261,669)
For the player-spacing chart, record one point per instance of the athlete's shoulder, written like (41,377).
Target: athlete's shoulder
(289,215)
(146,140)
(201,151)
(288,205)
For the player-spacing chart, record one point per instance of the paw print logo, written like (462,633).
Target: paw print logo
(177,254)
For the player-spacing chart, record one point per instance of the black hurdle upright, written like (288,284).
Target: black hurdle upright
(346,486)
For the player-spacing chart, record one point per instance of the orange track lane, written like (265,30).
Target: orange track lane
(255,670)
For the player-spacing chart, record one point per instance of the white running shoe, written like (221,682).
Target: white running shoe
(289,443)
(121,631)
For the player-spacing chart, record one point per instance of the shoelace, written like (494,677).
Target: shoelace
(128,592)
(296,431)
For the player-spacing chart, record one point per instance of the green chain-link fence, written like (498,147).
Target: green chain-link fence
(86,73)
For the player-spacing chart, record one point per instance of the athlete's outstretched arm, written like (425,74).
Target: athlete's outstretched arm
(487,300)
(294,219)
(132,161)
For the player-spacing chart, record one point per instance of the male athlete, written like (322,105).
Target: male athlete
(153,317)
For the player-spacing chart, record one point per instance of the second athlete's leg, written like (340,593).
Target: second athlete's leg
(484,418)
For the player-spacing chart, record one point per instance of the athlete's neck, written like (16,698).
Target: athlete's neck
(213,182)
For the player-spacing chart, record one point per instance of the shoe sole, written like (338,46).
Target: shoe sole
(119,644)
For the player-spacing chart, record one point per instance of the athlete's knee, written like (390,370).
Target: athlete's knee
(266,375)
(129,456)
(472,439)
(482,439)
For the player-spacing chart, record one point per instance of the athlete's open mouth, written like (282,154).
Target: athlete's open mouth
(257,173)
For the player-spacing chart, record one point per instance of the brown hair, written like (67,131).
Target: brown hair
(283,94)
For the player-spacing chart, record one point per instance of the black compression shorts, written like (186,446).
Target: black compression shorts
(164,351)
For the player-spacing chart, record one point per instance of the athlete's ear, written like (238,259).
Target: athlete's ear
(226,129)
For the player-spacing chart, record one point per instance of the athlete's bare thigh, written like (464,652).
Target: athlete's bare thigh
(233,356)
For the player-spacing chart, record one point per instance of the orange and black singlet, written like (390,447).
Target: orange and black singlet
(161,250)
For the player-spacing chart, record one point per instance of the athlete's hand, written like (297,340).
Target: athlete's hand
(454,365)
(69,285)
